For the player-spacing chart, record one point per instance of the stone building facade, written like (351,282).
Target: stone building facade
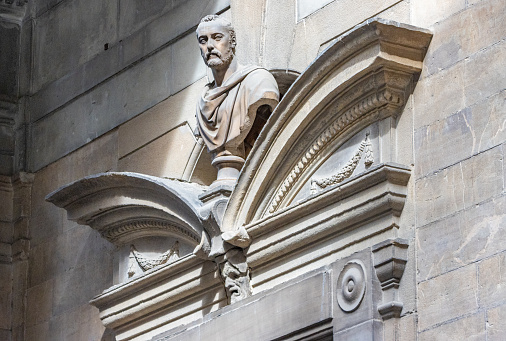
(417,236)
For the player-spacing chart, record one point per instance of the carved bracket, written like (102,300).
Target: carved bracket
(390,258)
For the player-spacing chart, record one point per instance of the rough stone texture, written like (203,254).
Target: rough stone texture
(160,119)
(426,13)
(439,301)
(491,279)
(466,237)
(496,326)
(154,158)
(447,191)
(56,38)
(469,328)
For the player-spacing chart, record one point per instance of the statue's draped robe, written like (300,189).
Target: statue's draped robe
(225,114)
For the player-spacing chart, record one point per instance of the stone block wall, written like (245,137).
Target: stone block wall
(459,116)
(118,94)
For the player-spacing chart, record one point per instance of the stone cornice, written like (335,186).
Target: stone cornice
(330,213)
(127,206)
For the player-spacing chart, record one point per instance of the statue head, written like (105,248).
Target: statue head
(216,38)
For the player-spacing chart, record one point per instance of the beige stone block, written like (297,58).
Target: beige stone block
(314,30)
(470,328)
(399,12)
(78,286)
(166,156)
(496,324)
(492,279)
(426,13)
(245,16)
(160,119)
(488,122)
(463,238)
(39,303)
(407,328)
(439,301)
(431,95)
(465,33)
(451,140)
(485,74)
(279,28)
(96,157)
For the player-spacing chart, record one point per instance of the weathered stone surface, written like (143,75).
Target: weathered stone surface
(46,220)
(153,158)
(491,279)
(310,34)
(485,74)
(468,328)
(465,33)
(135,15)
(366,331)
(80,324)
(496,325)
(466,237)
(280,23)
(57,39)
(303,304)
(426,13)
(439,301)
(463,134)
(39,303)
(5,296)
(446,191)
(245,15)
(39,332)
(431,93)
(160,119)
(100,110)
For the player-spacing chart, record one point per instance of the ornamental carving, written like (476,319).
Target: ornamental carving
(346,120)
(351,286)
(365,147)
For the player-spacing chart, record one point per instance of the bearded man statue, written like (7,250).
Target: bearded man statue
(230,104)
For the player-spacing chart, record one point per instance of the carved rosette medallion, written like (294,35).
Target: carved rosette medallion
(351,286)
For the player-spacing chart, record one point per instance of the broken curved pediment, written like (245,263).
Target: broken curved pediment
(127,206)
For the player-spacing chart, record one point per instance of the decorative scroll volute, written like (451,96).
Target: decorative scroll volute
(362,78)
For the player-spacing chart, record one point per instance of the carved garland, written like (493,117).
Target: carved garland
(115,233)
(147,263)
(338,126)
(348,169)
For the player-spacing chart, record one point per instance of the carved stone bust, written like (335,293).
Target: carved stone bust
(229,104)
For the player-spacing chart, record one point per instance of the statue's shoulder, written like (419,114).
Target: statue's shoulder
(258,73)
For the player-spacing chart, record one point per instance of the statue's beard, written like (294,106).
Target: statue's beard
(220,61)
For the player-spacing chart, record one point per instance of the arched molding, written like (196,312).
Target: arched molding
(127,206)
(363,77)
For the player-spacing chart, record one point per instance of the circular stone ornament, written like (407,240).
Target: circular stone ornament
(351,286)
